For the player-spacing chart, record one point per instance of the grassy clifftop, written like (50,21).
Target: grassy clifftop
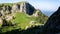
(12,18)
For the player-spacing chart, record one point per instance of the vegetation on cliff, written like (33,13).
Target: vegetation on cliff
(20,16)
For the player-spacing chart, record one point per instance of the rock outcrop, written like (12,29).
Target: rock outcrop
(15,8)
(7,12)
(29,9)
(18,15)
(52,26)
(24,7)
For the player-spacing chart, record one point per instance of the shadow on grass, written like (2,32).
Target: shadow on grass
(32,30)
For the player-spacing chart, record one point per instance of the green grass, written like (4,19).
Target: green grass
(23,20)
(8,28)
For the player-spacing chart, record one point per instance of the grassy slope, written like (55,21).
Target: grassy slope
(23,20)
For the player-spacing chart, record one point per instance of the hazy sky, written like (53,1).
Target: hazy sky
(47,5)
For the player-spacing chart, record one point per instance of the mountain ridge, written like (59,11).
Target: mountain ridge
(20,15)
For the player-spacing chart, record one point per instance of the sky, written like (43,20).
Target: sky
(48,5)
(43,5)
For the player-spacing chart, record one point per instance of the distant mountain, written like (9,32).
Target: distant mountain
(48,13)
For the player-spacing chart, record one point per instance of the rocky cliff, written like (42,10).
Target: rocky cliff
(22,7)
(7,9)
(20,15)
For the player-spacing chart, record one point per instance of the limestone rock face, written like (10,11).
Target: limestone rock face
(52,26)
(27,8)
(22,7)
(16,7)
(9,8)
(36,13)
